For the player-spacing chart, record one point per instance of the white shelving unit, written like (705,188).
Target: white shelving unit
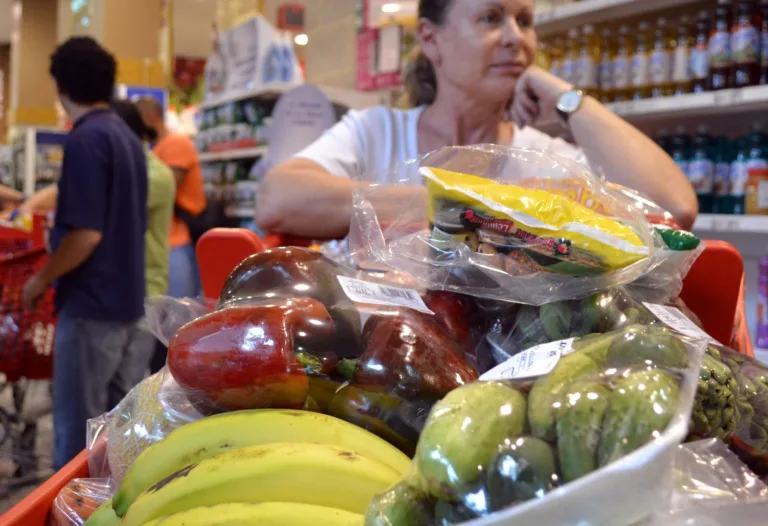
(724,102)
(229,155)
(551,20)
(350,98)
(731,224)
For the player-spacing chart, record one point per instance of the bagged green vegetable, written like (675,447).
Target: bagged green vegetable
(549,432)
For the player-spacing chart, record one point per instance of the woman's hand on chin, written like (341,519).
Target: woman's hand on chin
(536,95)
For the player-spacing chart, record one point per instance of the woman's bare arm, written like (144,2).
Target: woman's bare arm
(300,198)
(624,154)
(629,157)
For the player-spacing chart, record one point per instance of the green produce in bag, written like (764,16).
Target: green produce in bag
(550,415)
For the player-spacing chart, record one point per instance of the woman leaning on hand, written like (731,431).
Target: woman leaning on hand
(473,83)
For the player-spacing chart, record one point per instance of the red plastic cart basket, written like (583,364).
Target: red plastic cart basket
(714,299)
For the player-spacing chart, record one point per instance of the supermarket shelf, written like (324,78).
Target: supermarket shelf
(350,98)
(698,104)
(731,224)
(228,155)
(561,18)
(239,211)
(267,91)
(723,103)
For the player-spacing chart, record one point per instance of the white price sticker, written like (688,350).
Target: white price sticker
(366,292)
(673,318)
(536,361)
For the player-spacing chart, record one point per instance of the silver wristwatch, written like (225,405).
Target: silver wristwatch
(569,103)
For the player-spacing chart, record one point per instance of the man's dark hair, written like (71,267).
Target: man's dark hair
(84,71)
(128,111)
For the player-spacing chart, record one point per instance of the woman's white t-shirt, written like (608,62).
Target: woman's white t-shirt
(368,145)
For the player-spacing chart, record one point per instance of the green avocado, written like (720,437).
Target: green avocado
(547,390)
(595,346)
(579,420)
(401,505)
(463,433)
(556,320)
(524,470)
(641,405)
(640,344)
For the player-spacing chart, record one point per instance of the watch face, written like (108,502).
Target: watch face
(569,101)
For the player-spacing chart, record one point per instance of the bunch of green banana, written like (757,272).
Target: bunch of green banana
(254,457)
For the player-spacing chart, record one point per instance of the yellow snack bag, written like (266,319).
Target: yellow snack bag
(534,228)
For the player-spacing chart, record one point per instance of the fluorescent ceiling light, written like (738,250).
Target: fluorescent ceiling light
(390,8)
(301,39)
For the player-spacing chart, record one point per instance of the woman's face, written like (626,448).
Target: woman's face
(483,46)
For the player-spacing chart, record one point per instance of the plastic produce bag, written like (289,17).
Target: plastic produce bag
(710,486)
(77,501)
(292,329)
(511,328)
(546,436)
(137,422)
(509,224)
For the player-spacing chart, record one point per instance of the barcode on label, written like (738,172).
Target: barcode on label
(398,293)
(366,292)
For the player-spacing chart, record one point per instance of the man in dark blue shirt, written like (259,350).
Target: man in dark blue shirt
(97,264)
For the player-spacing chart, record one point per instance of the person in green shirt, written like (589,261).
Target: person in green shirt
(160,198)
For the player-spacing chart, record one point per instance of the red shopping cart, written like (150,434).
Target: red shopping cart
(220,250)
(26,341)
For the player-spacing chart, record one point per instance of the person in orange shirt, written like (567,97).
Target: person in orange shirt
(178,152)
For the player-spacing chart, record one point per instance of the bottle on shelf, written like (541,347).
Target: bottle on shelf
(753,157)
(680,149)
(700,54)
(589,58)
(660,60)
(622,82)
(745,44)
(720,58)
(681,59)
(764,42)
(640,72)
(664,140)
(739,172)
(757,172)
(605,71)
(571,56)
(543,56)
(722,187)
(556,53)
(701,168)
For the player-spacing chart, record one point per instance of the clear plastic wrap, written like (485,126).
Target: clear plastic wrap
(710,486)
(525,226)
(77,501)
(116,439)
(747,380)
(544,437)
(293,329)
(512,328)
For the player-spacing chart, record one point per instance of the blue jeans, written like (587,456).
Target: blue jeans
(183,275)
(95,364)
